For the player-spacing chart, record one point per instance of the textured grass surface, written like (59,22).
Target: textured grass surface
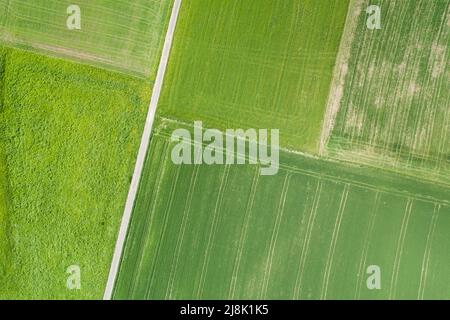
(4,199)
(213,232)
(70,135)
(4,225)
(395,109)
(120,34)
(258,64)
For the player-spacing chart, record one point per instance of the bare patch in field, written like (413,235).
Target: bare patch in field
(355,119)
(413,89)
(71,53)
(438,52)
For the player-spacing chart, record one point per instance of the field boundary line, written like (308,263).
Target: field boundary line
(156,92)
(340,71)
(340,179)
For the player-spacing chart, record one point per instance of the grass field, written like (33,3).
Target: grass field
(70,135)
(363,99)
(119,34)
(258,64)
(4,227)
(212,232)
(394,109)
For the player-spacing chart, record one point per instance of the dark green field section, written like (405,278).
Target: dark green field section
(69,137)
(395,109)
(309,232)
(257,64)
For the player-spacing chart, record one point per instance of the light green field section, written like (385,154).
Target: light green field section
(310,232)
(258,64)
(395,107)
(4,199)
(119,34)
(70,135)
(4,223)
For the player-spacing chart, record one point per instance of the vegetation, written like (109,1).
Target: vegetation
(70,135)
(394,111)
(4,226)
(255,64)
(120,34)
(213,232)
(317,228)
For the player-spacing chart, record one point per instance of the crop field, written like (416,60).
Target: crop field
(4,241)
(70,135)
(3,13)
(212,232)
(364,168)
(394,111)
(119,34)
(257,64)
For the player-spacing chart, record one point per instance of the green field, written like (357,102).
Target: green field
(394,109)
(70,134)
(213,232)
(363,118)
(4,228)
(123,35)
(257,64)
(3,16)
(311,231)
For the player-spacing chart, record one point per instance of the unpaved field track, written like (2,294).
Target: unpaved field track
(156,91)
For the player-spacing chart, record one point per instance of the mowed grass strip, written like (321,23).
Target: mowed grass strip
(394,112)
(260,64)
(309,232)
(119,34)
(70,135)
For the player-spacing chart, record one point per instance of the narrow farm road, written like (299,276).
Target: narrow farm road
(142,152)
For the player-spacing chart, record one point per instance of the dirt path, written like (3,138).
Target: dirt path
(142,152)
